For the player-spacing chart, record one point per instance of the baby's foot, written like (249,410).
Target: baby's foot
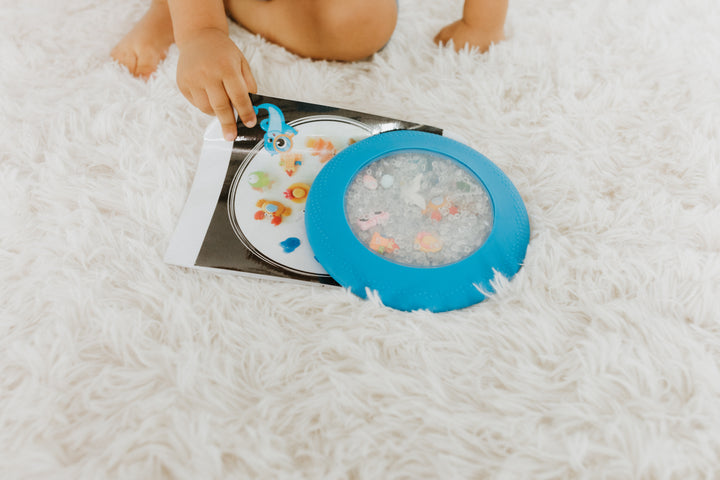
(146,45)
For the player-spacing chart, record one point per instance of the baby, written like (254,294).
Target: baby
(212,72)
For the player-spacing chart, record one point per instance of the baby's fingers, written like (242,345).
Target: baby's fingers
(446,34)
(237,90)
(248,77)
(200,99)
(442,37)
(222,108)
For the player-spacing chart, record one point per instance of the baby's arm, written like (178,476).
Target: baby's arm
(482,24)
(212,72)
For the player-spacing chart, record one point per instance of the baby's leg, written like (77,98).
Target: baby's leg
(147,43)
(323,29)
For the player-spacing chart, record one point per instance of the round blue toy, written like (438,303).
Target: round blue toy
(421,219)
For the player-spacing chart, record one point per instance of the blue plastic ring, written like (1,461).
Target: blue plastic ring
(403,287)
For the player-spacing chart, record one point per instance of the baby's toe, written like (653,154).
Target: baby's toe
(125,57)
(146,65)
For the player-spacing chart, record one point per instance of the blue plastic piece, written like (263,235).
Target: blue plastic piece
(278,136)
(290,244)
(403,287)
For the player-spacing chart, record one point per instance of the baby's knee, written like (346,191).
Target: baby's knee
(358,28)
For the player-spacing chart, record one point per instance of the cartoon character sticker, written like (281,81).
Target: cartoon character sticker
(270,209)
(290,162)
(278,134)
(260,181)
(290,244)
(321,148)
(297,192)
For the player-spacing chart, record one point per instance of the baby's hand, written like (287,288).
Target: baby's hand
(214,75)
(462,33)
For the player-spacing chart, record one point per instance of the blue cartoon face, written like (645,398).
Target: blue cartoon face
(279,135)
(278,143)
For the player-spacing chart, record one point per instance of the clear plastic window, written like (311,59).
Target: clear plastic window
(419,209)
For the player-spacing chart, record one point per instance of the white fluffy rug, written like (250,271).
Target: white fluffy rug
(601,359)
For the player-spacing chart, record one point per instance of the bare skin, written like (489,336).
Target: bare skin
(146,45)
(346,30)
(482,24)
(213,73)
